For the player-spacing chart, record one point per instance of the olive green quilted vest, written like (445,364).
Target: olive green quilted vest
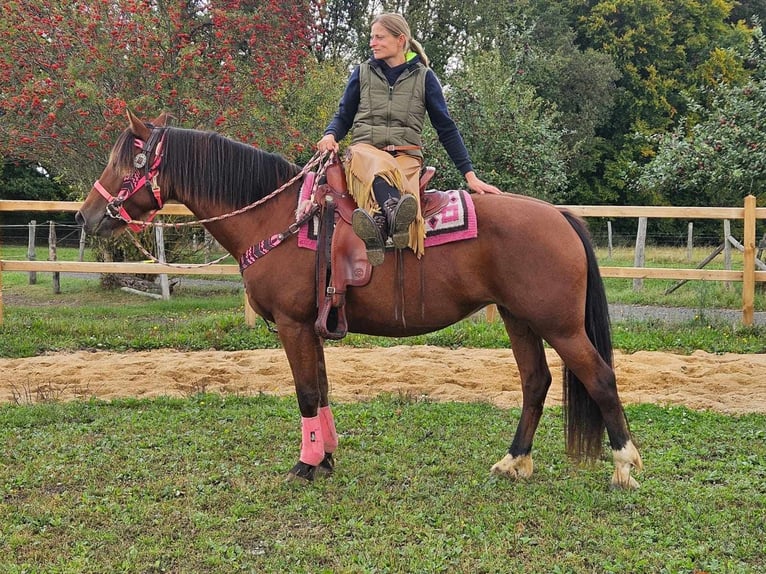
(390,115)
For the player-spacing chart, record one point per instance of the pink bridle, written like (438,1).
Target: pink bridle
(135,182)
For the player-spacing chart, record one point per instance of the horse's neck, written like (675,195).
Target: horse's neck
(237,233)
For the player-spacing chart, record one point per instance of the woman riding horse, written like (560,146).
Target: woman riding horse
(531,259)
(385,103)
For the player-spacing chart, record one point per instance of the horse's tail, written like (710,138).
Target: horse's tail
(584,423)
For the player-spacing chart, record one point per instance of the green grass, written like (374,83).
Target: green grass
(196,485)
(700,295)
(86,317)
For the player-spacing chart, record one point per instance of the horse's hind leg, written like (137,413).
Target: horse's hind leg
(598,379)
(535,381)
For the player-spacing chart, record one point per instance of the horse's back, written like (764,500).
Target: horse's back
(527,235)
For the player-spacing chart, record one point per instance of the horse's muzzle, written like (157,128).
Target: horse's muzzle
(102,226)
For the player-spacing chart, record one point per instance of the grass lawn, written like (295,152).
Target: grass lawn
(196,485)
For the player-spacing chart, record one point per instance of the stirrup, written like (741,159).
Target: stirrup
(401,214)
(367,230)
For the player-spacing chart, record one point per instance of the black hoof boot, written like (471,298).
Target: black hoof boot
(400,213)
(368,230)
(301,472)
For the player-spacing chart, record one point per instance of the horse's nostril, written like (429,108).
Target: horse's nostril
(79,218)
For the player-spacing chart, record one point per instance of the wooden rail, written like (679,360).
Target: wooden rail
(748,276)
(115,267)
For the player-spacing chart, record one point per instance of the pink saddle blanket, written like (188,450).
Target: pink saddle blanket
(455,222)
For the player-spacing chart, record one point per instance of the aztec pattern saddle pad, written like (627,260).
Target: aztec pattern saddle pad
(456,221)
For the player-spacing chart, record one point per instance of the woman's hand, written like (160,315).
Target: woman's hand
(328,143)
(479,186)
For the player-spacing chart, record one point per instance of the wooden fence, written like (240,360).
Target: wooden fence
(749,276)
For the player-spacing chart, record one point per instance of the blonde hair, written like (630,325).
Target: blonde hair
(398,26)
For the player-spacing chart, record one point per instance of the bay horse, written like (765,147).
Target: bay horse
(534,261)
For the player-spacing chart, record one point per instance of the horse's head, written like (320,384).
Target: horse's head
(127,189)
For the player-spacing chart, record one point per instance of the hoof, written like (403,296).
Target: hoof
(326,467)
(514,466)
(625,460)
(301,472)
(631,484)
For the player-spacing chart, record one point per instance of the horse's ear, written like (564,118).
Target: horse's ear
(137,127)
(163,120)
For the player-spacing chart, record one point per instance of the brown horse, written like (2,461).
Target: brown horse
(531,259)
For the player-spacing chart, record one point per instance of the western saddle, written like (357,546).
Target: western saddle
(341,256)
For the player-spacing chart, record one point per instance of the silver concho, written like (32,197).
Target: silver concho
(139,161)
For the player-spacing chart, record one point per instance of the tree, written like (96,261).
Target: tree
(722,157)
(538,42)
(746,9)
(666,51)
(512,134)
(69,69)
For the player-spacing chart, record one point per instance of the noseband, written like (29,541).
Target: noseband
(144,176)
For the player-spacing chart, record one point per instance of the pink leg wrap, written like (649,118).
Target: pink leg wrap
(312,446)
(329,434)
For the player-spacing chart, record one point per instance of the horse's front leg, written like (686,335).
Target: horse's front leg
(319,438)
(535,381)
(326,419)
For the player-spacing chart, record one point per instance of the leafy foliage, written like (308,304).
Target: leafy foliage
(69,70)
(24,180)
(511,133)
(722,157)
(663,49)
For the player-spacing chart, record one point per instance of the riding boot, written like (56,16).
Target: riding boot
(400,212)
(373,231)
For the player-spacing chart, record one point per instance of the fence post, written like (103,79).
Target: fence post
(727,250)
(81,252)
(208,239)
(639,258)
(52,256)
(250,315)
(748,275)
(31,255)
(690,242)
(609,238)
(159,237)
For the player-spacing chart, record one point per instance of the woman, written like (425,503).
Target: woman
(384,105)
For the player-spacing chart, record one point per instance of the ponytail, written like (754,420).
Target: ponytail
(418,49)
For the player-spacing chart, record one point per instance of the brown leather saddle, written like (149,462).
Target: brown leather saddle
(341,256)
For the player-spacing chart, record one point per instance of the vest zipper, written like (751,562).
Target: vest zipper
(388,112)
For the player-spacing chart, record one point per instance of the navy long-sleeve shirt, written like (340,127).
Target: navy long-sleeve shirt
(436,106)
